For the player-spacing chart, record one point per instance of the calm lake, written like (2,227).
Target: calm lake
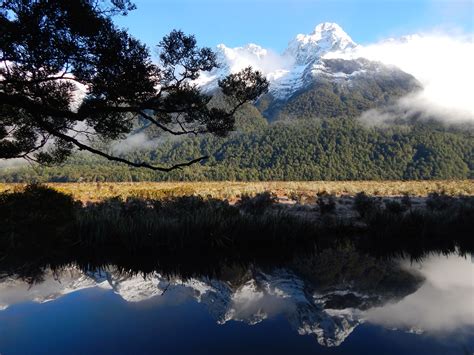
(339,302)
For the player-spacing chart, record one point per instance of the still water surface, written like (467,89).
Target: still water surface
(326,305)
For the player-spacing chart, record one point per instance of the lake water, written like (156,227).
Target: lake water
(335,303)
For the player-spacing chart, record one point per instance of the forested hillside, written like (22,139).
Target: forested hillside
(306,149)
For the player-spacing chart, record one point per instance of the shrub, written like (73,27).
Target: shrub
(257,204)
(439,201)
(364,204)
(327,204)
(395,207)
(36,216)
(406,201)
(190,205)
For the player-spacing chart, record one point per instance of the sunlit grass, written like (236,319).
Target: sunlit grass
(234,190)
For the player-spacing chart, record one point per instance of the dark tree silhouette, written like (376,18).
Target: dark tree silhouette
(69,76)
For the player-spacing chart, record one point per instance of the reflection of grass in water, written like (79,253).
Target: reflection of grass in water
(233,190)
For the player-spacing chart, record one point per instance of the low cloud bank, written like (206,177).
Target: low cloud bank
(443,65)
(142,140)
(133,142)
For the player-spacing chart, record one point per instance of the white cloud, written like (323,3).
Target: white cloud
(142,140)
(443,65)
(12,163)
(255,56)
(133,142)
(235,59)
(443,304)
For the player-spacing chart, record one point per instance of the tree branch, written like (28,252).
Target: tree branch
(33,107)
(166,129)
(90,149)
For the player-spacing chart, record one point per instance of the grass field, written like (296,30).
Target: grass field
(293,190)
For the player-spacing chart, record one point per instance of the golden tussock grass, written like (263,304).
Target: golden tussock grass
(234,190)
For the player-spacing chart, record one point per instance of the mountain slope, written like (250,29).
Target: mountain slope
(341,87)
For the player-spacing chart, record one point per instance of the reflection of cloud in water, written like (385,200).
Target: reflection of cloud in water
(445,302)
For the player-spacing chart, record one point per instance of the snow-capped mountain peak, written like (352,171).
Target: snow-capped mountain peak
(287,72)
(325,60)
(326,37)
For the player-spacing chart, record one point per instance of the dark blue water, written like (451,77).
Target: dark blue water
(265,313)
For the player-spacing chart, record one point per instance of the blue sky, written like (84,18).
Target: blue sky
(272,23)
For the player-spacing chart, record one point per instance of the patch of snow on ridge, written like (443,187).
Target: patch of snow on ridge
(326,37)
(246,304)
(136,288)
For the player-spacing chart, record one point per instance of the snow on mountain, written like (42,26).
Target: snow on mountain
(330,328)
(136,288)
(326,37)
(439,63)
(233,60)
(287,72)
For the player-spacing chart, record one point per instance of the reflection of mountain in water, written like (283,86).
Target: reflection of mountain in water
(314,304)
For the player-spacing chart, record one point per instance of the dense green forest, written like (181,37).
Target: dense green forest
(304,149)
